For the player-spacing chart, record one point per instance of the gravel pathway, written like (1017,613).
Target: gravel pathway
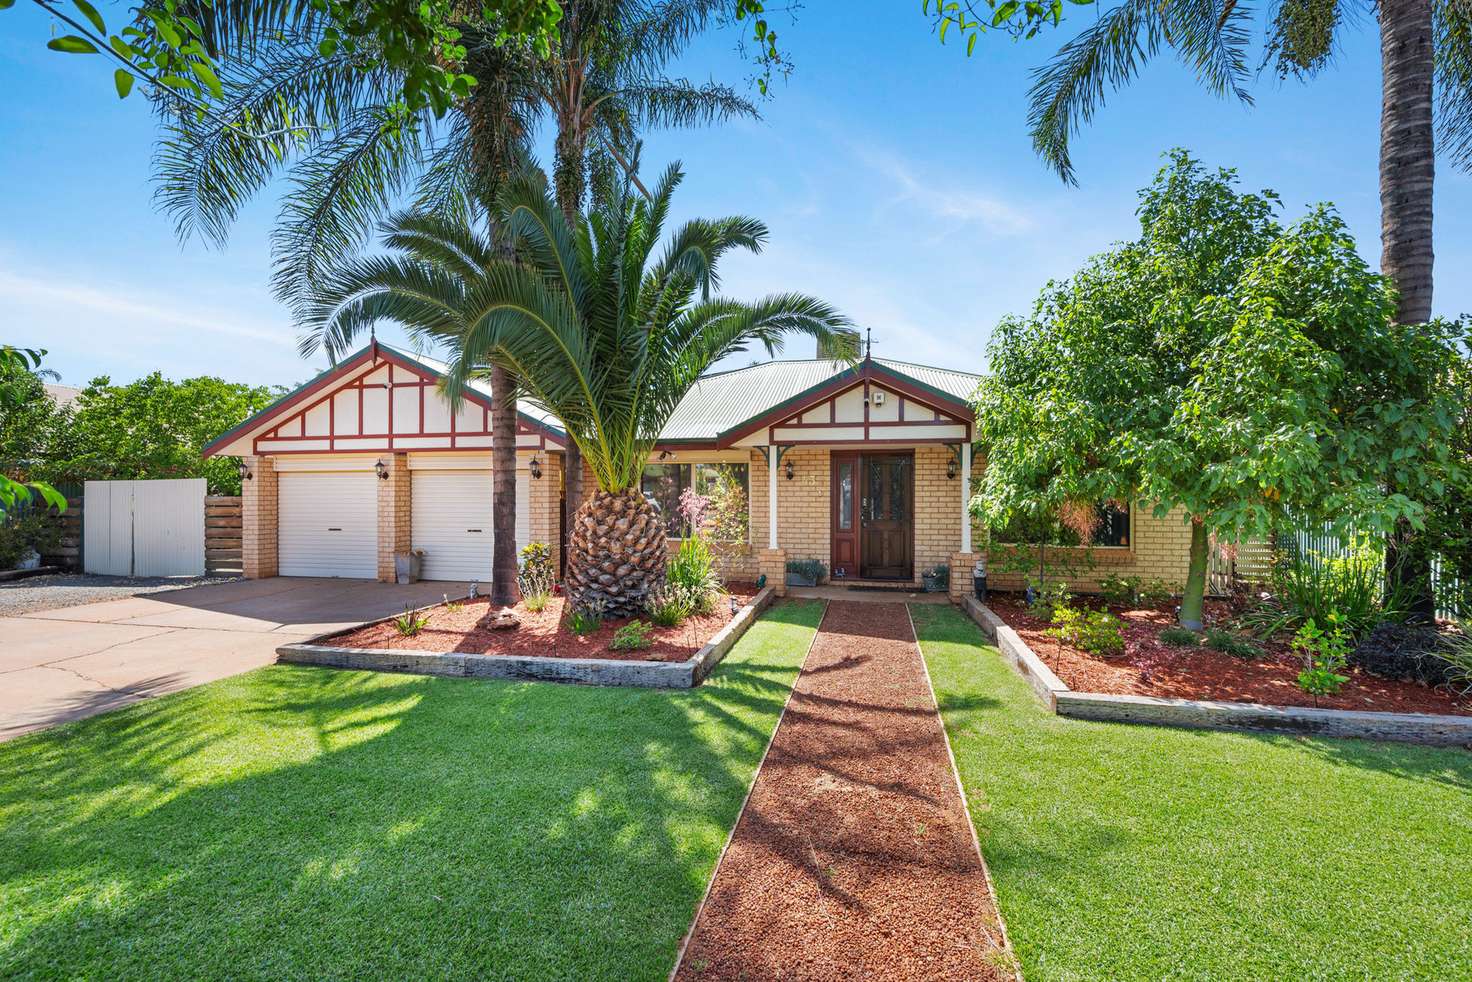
(854,857)
(72,589)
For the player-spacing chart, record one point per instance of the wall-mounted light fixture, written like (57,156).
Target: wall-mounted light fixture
(245,474)
(951,469)
(665,455)
(536,468)
(787,470)
(381,469)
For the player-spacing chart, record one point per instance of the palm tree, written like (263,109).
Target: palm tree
(1425,45)
(605,337)
(325,119)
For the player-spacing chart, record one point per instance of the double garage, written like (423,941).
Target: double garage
(327,519)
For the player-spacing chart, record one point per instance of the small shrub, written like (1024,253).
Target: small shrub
(536,575)
(669,605)
(584,620)
(1324,654)
(692,570)
(1047,597)
(1156,591)
(1103,634)
(1456,651)
(1410,652)
(1180,637)
(452,606)
(1228,643)
(1122,591)
(807,569)
(632,636)
(1348,589)
(24,530)
(410,623)
(1096,631)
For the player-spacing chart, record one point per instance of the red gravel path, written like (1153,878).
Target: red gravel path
(854,858)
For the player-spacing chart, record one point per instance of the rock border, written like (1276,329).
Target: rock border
(1421,728)
(584,671)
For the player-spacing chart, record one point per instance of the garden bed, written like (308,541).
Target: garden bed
(1149,667)
(456,639)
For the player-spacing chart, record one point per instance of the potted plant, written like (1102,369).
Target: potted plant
(937,579)
(805,572)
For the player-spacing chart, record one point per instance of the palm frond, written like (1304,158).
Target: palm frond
(1452,27)
(1208,35)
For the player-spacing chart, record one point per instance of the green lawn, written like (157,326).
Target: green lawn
(317,824)
(1130,852)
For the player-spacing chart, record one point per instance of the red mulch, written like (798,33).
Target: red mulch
(854,858)
(1150,668)
(544,633)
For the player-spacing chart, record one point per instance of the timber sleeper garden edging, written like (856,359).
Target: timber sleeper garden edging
(1422,728)
(587,671)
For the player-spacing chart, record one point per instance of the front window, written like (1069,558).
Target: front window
(1112,529)
(723,486)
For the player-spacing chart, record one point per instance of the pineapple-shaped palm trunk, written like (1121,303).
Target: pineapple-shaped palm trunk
(616,553)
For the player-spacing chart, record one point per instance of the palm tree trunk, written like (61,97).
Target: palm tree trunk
(568,182)
(503,488)
(1407,177)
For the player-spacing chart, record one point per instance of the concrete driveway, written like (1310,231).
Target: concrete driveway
(64,664)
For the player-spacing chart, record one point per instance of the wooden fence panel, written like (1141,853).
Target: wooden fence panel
(222,535)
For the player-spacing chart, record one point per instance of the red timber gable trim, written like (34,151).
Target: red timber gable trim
(376,401)
(919,406)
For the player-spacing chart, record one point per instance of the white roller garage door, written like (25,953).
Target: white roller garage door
(328,522)
(452,518)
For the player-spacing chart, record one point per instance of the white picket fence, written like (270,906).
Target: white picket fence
(144,528)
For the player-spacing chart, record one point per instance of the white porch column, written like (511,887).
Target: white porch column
(772,497)
(965,496)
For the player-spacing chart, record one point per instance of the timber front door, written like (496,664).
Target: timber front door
(873,516)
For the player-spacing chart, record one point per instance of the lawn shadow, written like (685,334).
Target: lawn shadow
(315,822)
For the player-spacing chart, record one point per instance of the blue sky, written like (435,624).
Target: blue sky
(895,175)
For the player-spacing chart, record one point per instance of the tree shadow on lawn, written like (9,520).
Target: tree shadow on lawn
(319,823)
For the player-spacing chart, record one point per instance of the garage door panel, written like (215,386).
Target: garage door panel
(327,524)
(452,523)
(453,515)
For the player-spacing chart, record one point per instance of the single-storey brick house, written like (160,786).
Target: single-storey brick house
(857,466)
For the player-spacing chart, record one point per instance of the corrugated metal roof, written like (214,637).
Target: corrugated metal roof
(722,401)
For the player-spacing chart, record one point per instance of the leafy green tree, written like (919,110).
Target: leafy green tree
(27,418)
(1426,87)
(602,333)
(155,428)
(1224,364)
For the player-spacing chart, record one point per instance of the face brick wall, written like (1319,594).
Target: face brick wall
(1159,549)
(394,515)
(258,510)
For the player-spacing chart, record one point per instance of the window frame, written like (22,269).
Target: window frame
(686,470)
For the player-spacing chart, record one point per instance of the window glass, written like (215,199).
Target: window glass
(1113,530)
(724,486)
(846,495)
(662,485)
(1114,526)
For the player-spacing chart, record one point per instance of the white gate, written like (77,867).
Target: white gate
(144,528)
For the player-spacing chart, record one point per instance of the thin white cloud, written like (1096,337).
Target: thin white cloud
(943,201)
(60,300)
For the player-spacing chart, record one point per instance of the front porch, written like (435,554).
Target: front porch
(875,516)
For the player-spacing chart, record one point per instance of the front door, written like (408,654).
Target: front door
(886,516)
